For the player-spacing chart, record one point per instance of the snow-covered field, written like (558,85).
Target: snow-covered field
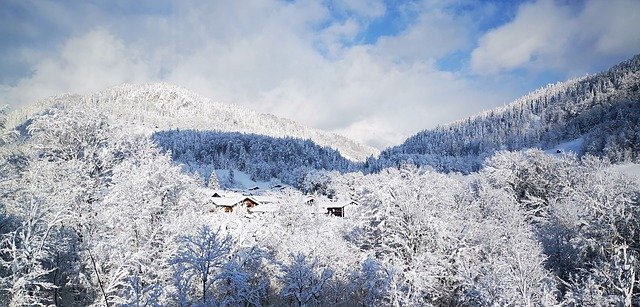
(242,181)
(573,146)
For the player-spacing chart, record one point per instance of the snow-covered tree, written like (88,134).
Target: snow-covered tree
(241,282)
(303,279)
(197,262)
(370,283)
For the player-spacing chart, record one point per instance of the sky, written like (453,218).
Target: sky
(373,70)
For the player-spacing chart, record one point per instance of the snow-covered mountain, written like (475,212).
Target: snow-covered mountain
(161,106)
(602,111)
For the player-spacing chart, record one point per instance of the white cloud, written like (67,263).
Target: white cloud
(549,35)
(373,99)
(84,64)
(294,59)
(435,33)
(333,39)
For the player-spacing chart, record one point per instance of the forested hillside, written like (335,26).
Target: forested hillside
(603,109)
(262,157)
(163,107)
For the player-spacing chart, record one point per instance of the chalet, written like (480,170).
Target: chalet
(337,208)
(233,203)
(265,208)
(330,206)
(265,199)
(267,203)
(309,200)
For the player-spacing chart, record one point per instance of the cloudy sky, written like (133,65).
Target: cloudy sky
(376,71)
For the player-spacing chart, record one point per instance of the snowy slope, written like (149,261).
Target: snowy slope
(241,180)
(162,106)
(602,111)
(573,146)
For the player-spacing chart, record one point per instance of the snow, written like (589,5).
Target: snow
(230,201)
(573,146)
(630,169)
(242,180)
(419,224)
(137,231)
(161,106)
(337,204)
(266,199)
(266,207)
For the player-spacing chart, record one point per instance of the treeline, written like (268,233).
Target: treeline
(603,110)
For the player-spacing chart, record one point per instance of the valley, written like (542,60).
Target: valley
(153,195)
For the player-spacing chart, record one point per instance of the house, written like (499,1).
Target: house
(309,200)
(233,203)
(267,203)
(330,206)
(265,199)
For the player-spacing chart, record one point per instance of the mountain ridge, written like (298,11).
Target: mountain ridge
(604,108)
(165,106)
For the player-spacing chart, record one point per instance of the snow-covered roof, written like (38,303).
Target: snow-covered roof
(270,207)
(337,204)
(265,199)
(223,193)
(231,201)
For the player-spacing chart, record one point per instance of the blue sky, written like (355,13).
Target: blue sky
(376,71)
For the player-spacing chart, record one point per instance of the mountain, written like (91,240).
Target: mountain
(600,113)
(162,106)
(595,114)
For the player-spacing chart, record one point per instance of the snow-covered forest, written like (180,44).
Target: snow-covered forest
(96,214)
(262,157)
(101,208)
(602,109)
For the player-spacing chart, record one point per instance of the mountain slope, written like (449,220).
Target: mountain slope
(604,109)
(162,107)
(261,157)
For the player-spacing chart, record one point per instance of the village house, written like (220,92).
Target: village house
(268,203)
(232,202)
(330,206)
(338,208)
